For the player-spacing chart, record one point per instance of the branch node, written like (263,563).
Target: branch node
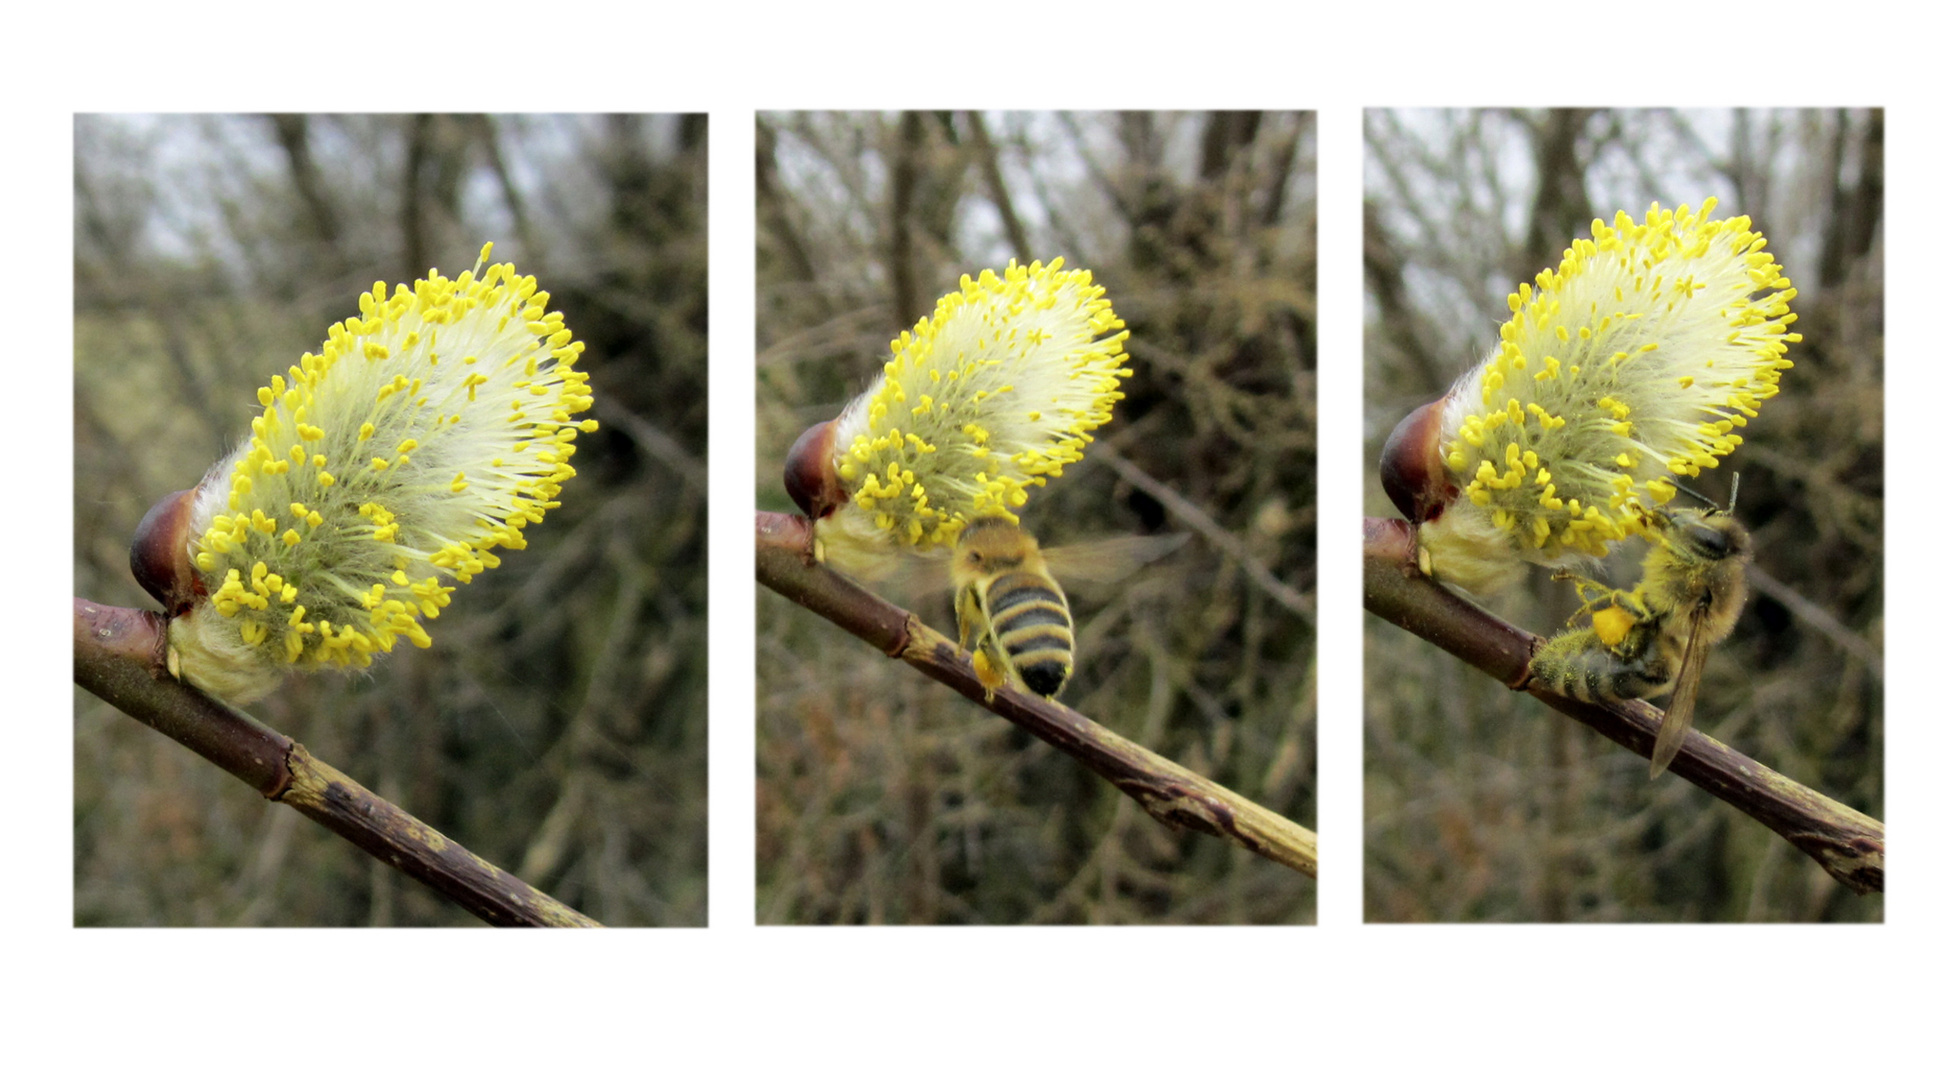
(280,785)
(902,641)
(1189,810)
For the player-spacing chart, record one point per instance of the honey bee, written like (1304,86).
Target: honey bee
(1657,635)
(1012,613)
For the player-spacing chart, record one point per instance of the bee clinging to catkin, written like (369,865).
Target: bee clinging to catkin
(1631,366)
(1655,638)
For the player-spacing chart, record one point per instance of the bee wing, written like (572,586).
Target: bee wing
(1682,702)
(1090,562)
(1108,560)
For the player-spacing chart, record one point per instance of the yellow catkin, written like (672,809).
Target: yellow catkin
(457,480)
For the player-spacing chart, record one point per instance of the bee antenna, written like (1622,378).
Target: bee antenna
(1736,478)
(1705,499)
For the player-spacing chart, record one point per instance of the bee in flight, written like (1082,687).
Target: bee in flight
(1657,635)
(1012,613)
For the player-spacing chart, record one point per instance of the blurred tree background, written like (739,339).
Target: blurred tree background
(1484,805)
(557,725)
(886,798)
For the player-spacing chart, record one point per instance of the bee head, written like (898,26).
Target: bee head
(992,543)
(1709,534)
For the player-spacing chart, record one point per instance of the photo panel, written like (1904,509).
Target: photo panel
(1036,416)
(388,591)
(1624,382)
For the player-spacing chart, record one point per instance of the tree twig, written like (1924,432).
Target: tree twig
(1193,516)
(1805,609)
(989,159)
(1167,791)
(119,657)
(1848,844)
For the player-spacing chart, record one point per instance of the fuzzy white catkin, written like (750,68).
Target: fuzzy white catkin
(426,433)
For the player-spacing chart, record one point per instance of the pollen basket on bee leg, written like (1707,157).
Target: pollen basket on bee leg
(1612,624)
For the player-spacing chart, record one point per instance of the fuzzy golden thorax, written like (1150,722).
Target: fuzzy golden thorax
(1696,570)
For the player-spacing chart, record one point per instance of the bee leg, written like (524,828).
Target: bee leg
(1622,607)
(972,621)
(1645,676)
(1631,601)
(992,676)
(1625,625)
(1612,624)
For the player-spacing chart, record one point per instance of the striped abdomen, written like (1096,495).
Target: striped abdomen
(1577,665)
(1031,625)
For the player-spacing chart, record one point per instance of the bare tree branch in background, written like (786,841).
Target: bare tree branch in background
(779,233)
(435,163)
(293,132)
(1857,209)
(1561,207)
(906,164)
(928,177)
(1397,318)
(510,193)
(996,183)
(1190,514)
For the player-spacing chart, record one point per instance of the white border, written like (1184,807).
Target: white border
(1343,998)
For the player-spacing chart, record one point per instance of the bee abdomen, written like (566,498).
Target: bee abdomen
(1032,626)
(1578,665)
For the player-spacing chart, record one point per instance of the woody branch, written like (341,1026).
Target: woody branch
(119,656)
(1167,791)
(1848,844)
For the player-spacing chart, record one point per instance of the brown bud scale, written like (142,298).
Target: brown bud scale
(159,556)
(811,471)
(1410,466)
